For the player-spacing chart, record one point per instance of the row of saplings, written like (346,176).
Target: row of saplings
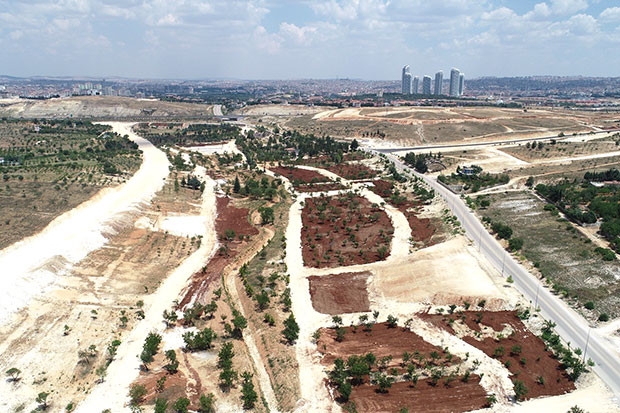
(382,372)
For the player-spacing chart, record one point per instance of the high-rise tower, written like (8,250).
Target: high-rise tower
(406,81)
(461,83)
(426,85)
(416,85)
(438,83)
(455,80)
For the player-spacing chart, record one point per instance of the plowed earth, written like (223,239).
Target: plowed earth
(352,171)
(306,181)
(382,341)
(340,293)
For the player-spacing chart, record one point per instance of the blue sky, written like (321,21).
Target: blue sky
(283,39)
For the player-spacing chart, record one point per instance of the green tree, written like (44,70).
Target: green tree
(239,323)
(392,321)
(173,363)
(181,405)
(291,329)
(207,403)
(227,379)
(198,341)
(13,374)
(515,244)
(136,394)
(225,356)
(384,381)
(530,182)
(42,400)
(161,405)
(170,318)
(520,389)
(237,185)
(248,394)
(262,300)
(267,215)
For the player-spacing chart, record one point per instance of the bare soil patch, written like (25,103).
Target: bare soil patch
(353,171)
(456,395)
(344,230)
(524,354)
(340,293)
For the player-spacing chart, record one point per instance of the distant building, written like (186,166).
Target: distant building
(455,79)
(406,81)
(461,84)
(438,83)
(416,85)
(426,85)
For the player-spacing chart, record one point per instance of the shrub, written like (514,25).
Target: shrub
(603,317)
(589,305)
(515,244)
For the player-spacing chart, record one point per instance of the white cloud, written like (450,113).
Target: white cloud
(264,40)
(499,15)
(540,11)
(583,24)
(611,14)
(299,35)
(564,7)
(168,20)
(349,10)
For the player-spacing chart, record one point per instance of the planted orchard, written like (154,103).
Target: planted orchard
(344,230)
(384,367)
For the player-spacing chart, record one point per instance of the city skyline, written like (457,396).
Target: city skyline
(277,39)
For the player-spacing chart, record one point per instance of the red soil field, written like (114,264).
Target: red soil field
(539,362)
(299,176)
(344,230)
(353,171)
(340,293)
(456,396)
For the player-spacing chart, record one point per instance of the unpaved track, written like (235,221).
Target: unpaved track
(122,372)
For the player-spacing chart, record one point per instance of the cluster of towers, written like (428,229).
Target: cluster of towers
(411,85)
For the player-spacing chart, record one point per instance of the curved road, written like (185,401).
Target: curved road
(569,325)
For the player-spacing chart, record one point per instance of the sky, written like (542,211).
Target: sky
(319,39)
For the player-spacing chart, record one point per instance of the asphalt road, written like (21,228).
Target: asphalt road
(569,325)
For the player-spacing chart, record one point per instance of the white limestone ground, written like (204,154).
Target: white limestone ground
(112,393)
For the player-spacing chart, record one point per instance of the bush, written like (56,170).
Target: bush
(589,305)
(515,244)
(136,394)
(503,231)
(603,317)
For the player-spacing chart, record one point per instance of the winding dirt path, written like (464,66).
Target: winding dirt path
(112,393)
